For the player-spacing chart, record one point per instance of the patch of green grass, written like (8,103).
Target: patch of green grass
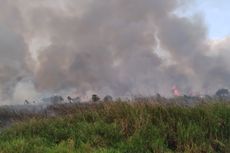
(122,127)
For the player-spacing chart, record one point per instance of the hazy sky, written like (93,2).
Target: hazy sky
(217,16)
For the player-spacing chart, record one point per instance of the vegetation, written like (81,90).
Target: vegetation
(123,127)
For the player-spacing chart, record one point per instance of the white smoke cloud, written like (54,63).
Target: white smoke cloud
(24,89)
(122,47)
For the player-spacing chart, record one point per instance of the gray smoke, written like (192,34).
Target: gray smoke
(117,47)
(12,60)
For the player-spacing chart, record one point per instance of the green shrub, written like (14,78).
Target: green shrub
(123,128)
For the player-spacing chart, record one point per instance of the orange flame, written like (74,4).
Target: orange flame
(175,91)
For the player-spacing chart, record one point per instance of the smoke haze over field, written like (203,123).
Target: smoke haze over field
(118,47)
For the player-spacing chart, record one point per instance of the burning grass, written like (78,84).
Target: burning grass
(122,127)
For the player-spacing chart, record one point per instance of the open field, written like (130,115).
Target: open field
(119,127)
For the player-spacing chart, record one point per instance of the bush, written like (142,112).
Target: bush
(123,128)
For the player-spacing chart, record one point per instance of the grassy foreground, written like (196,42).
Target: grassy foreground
(121,127)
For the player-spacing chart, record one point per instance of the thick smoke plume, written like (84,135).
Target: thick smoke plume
(118,47)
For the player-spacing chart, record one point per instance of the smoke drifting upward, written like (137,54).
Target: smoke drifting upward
(119,47)
(12,60)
